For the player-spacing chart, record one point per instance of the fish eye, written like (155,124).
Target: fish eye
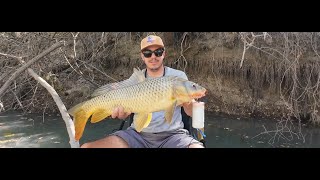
(193,85)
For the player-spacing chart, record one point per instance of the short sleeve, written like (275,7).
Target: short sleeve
(183,75)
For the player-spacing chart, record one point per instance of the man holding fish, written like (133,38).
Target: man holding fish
(157,113)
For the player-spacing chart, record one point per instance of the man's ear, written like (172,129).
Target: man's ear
(141,56)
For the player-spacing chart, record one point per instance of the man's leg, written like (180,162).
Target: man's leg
(195,145)
(181,139)
(107,142)
(120,139)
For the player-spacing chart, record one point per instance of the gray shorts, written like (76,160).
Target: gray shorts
(173,139)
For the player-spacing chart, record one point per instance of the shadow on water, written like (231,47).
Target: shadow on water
(36,131)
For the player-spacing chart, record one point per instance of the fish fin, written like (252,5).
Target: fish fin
(169,112)
(99,115)
(142,121)
(80,119)
(148,120)
(179,102)
(136,77)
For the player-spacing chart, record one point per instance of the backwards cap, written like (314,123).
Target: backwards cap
(151,40)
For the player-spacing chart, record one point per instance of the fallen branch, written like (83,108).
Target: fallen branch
(19,102)
(4,75)
(29,63)
(1,107)
(15,57)
(61,106)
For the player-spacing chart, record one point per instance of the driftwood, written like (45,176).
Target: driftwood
(29,63)
(61,106)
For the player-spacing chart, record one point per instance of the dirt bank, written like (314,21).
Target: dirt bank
(246,74)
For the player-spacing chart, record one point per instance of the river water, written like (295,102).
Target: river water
(49,131)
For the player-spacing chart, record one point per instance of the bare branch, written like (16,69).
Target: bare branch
(62,108)
(20,104)
(1,107)
(29,63)
(182,51)
(15,57)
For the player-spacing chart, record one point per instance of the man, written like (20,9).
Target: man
(158,133)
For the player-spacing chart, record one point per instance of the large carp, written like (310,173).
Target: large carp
(138,95)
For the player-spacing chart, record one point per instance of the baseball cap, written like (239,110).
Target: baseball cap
(151,40)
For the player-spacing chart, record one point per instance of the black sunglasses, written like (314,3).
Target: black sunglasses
(148,53)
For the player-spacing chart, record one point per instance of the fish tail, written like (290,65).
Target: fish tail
(75,109)
(80,119)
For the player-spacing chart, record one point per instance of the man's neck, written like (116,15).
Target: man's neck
(155,72)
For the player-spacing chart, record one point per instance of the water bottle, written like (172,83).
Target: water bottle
(198,115)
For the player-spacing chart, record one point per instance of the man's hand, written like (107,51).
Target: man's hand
(188,108)
(118,112)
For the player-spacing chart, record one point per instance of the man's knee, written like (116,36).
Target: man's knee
(85,145)
(107,142)
(195,145)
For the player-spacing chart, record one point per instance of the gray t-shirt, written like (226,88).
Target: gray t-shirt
(158,123)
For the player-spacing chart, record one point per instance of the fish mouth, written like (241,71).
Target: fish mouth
(198,95)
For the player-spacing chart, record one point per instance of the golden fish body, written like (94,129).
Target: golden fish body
(141,98)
